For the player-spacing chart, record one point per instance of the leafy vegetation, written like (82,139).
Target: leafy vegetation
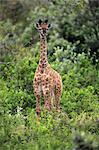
(73,50)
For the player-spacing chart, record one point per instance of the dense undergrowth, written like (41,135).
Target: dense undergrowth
(73,52)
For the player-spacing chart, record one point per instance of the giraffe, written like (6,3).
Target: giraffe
(46,80)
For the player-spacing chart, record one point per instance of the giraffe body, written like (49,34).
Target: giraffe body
(46,80)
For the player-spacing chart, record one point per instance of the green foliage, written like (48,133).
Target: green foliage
(72,47)
(22,132)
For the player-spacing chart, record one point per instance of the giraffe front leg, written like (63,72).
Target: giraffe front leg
(47,99)
(58,92)
(37,95)
(38,105)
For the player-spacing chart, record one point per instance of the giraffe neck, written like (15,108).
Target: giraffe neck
(43,62)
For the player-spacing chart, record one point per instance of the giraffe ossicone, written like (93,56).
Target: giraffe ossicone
(46,80)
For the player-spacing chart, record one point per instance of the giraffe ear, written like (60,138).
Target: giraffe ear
(46,21)
(49,26)
(37,25)
(40,21)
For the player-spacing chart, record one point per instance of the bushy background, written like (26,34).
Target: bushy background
(73,50)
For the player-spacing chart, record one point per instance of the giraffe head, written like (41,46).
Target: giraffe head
(42,27)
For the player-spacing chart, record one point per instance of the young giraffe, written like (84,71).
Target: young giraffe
(46,80)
